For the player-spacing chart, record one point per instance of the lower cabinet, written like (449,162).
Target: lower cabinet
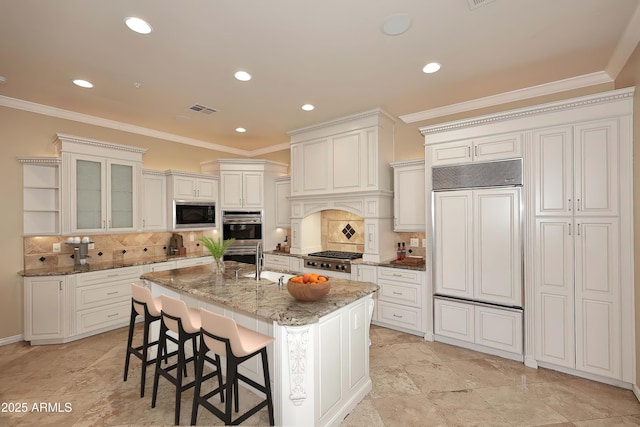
(400,301)
(190,262)
(489,326)
(46,305)
(279,262)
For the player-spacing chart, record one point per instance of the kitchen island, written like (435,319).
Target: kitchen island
(319,361)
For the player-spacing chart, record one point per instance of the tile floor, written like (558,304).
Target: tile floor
(415,383)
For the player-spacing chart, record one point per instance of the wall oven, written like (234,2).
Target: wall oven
(246,228)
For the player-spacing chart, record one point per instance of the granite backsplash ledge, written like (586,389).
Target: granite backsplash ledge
(38,250)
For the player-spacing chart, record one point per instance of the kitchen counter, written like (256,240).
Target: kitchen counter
(262,298)
(315,342)
(97,266)
(417,267)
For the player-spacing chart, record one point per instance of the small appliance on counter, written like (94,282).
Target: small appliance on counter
(176,246)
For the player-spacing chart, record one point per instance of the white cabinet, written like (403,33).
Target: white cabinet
(477,149)
(242,189)
(576,169)
(478,245)
(103,299)
(46,305)
(100,186)
(190,262)
(277,261)
(348,155)
(159,266)
(41,195)
(189,186)
(282,204)
(408,196)
(489,326)
(154,201)
(400,299)
(296,264)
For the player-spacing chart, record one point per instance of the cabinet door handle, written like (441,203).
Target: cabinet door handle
(569,205)
(578,229)
(60,284)
(469,150)
(104,224)
(579,207)
(475,151)
(569,224)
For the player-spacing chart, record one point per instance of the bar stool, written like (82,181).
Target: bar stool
(223,336)
(185,322)
(142,304)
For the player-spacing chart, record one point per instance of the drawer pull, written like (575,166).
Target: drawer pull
(397,293)
(113,315)
(113,293)
(112,275)
(398,316)
(396,275)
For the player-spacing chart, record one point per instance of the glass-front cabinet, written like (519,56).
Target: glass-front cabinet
(103,191)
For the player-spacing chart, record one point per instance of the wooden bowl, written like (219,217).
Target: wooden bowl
(308,291)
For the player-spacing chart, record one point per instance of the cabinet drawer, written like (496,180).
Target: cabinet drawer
(400,275)
(103,317)
(107,276)
(99,295)
(497,328)
(454,319)
(190,262)
(276,261)
(400,293)
(402,316)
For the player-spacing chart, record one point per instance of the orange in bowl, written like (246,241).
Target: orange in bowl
(309,287)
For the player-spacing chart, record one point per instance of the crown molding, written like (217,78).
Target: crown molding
(60,113)
(39,160)
(597,98)
(578,82)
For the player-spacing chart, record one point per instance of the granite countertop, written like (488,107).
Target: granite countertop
(388,263)
(262,298)
(97,266)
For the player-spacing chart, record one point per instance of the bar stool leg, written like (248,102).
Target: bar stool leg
(267,385)
(156,376)
(132,322)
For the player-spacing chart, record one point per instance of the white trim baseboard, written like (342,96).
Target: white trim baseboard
(11,340)
(636,391)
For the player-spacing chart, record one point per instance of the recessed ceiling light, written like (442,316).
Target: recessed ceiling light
(243,76)
(138,25)
(241,130)
(396,24)
(431,67)
(83,83)
(308,107)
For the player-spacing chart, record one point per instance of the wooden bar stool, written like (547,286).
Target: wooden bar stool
(224,337)
(142,304)
(185,322)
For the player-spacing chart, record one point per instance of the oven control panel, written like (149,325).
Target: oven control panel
(343,267)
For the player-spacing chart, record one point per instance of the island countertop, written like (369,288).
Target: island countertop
(263,297)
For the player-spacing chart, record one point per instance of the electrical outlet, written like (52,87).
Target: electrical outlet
(91,246)
(192,237)
(56,247)
(424,243)
(413,243)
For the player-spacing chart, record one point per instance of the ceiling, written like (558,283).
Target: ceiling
(330,53)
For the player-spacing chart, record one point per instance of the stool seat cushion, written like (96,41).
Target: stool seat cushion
(243,341)
(142,294)
(190,317)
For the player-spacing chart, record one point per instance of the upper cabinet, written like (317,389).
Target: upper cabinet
(242,181)
(408,196)
(101,185)
(477,149)
(348,155)
(576,169)
(283,206)
(154,200)
(191,186)
(41,195)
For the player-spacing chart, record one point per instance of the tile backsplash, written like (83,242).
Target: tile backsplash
(38,250)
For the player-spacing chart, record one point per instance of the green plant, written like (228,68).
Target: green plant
(216,247)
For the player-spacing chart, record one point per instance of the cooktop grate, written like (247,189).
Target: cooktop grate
(337,254)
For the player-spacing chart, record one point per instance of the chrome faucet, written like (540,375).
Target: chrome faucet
(259,257)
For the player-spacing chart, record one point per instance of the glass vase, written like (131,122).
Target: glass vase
(217,266)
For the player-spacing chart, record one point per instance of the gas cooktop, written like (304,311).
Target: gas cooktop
(336,255)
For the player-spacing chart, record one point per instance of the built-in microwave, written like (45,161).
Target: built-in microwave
(194,214)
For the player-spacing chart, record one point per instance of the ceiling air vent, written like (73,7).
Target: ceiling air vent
(202,109)
(474,4)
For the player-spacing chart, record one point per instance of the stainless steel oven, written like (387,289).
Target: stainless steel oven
(246,228)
